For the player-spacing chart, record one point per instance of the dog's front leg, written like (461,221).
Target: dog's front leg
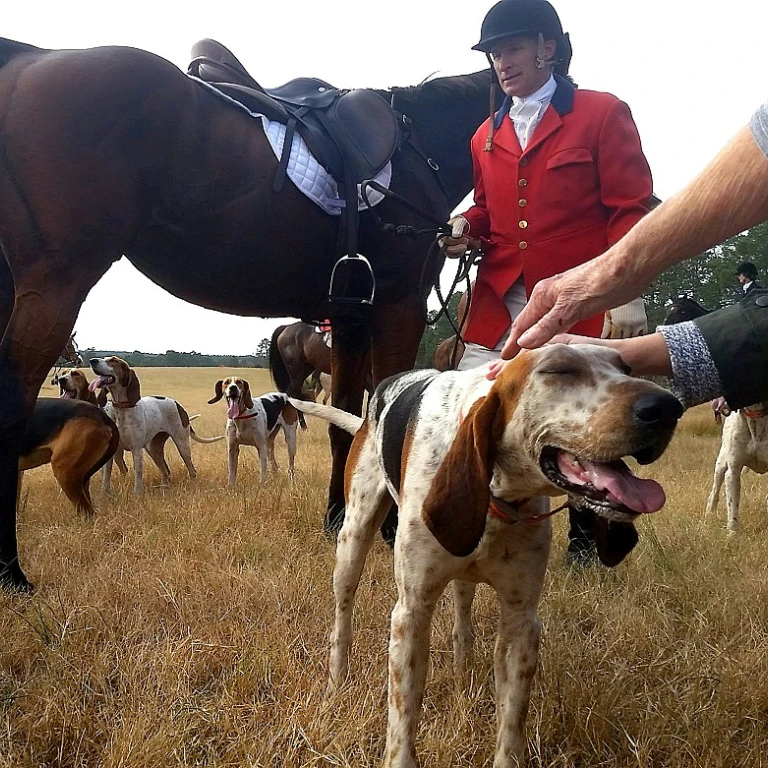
(106,477)
(138,469)
(233,454)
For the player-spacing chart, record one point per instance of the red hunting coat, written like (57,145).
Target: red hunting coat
(580,185)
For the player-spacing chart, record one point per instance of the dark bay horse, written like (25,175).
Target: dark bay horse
(684,308)
(295,352)
(114,151)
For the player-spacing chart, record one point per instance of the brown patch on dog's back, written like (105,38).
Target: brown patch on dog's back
(290,414)
(354,456)
(407,445)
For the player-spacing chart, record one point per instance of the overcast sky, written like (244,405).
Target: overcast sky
(691,71)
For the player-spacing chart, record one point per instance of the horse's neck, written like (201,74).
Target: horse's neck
(446,113)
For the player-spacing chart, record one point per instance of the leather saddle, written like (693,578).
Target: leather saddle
(350,132)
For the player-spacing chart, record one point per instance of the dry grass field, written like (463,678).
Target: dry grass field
(190,627)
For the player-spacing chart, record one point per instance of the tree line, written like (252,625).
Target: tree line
(173,359)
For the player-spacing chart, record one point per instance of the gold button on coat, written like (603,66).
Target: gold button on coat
(522,202)
(523,245)
(523,161)
(522,224)
(523,182)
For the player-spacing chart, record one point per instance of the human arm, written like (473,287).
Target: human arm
(729,196)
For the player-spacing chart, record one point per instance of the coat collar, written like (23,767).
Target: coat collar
(562,104)
(562,101)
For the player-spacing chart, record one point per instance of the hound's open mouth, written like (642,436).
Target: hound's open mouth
(603,485)
(70,394)
(100,382)
(234,407)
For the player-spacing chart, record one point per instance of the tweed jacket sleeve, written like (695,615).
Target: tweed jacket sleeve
(759,126)
(737,340)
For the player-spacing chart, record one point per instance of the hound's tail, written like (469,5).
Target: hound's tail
(199,439)
(337,417)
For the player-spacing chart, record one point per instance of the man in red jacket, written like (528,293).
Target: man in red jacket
(560,176)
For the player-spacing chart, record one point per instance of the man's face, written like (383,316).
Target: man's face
(742,278)
(514,61)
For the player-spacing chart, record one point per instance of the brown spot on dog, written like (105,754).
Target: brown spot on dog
(354,457)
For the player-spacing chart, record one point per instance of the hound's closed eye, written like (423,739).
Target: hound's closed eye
(564,371)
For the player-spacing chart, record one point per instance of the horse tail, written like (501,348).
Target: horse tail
(346,421)
(10,48)
(276,363)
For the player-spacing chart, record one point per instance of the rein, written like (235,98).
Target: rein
(433,264)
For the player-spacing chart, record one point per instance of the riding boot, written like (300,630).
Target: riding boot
(582,536)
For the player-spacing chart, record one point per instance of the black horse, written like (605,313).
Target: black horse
(684,308)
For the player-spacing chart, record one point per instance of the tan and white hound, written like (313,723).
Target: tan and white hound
(744,443)
(144,422)
(75,438)
(256,421)
(471,464)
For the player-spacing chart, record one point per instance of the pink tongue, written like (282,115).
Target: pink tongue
(234,409)
(98,383)
(70,393)
(621,485)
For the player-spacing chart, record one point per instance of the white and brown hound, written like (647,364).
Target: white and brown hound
(144,422)
(471,464)
(74,385)
(256,421)
(744,443)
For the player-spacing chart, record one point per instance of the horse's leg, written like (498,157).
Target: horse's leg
(49,290)
(397,332)
(350,362)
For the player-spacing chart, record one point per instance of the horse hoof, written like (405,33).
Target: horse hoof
(12,579)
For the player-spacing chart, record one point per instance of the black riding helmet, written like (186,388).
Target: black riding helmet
(520,17)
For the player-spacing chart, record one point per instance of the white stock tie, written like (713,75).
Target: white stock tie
(524,114)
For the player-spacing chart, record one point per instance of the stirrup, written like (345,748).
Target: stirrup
(352,281)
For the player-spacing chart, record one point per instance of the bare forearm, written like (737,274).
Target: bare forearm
(729,196)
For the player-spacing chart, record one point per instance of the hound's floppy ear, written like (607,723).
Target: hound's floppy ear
(123,377)
(456,506)
(247,399)
(219,392)
(615,540)
(101,398)
(133,390)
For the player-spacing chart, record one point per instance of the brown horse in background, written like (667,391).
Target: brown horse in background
(114,151)
(295,353)
(296,350)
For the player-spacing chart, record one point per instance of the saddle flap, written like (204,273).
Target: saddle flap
(367,129)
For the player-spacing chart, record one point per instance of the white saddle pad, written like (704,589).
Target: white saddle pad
(306,173)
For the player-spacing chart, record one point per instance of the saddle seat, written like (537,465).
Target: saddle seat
(352,133)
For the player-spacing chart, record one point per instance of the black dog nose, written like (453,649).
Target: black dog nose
(659,409)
